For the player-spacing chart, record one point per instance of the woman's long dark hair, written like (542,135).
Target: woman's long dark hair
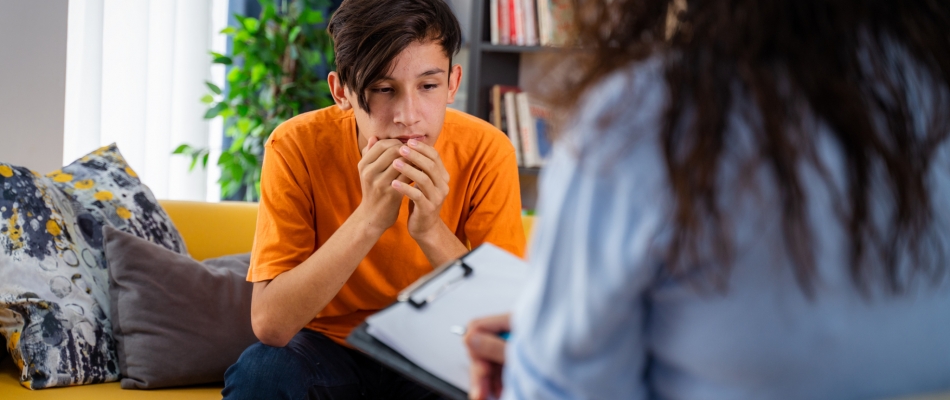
(826,56)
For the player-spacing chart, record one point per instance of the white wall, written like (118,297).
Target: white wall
(32,82)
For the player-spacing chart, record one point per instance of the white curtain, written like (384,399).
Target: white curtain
(135,73)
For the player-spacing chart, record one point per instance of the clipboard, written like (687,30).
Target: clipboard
(379,351)
(483,282)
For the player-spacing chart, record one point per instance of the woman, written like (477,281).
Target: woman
(749,201)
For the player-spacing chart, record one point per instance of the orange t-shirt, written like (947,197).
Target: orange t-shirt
(310,185)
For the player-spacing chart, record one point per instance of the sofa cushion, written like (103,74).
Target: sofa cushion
(54,302)
(176,321)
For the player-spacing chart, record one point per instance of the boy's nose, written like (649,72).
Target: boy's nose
(406,112)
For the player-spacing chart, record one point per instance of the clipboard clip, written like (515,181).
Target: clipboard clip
(435,284)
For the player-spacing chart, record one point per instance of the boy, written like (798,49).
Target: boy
(360,199)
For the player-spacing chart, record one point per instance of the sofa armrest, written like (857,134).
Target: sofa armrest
(213,229)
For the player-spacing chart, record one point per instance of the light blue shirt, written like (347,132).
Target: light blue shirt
(601,319)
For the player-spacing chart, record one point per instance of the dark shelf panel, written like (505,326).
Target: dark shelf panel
(529,170)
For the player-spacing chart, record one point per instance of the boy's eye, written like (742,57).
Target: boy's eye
(382,90)
(430,86)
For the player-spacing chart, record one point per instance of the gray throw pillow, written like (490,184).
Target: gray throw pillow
(176,321)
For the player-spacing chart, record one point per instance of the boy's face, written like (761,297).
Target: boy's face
(410,101)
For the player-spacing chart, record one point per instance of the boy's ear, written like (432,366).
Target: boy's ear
(455,79)
(338,91)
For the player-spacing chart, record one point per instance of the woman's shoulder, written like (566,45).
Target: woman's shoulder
(620,117)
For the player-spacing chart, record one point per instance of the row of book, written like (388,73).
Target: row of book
(531,22)
(526,122)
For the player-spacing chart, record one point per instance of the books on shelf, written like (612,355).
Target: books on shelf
(560,14)
(525,121)
(531,22)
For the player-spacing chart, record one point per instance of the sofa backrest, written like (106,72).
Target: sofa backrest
(214,229)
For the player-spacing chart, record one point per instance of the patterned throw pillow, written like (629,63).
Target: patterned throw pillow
(54,286)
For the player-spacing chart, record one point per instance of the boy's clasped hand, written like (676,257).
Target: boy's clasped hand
(391,169)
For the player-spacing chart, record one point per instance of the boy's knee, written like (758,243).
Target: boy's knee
(263,369)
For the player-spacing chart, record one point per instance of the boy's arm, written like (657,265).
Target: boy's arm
(283,306)
(280,307)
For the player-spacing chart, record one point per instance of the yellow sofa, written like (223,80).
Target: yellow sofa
(210,230)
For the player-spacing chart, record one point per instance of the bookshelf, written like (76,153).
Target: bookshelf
(490,64)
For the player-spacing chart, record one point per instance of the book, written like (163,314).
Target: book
(517,22)
(504,21)
(526,128)
(562,22)
(534,128)
(530,22)
(511,120)
(541,115)
(544,23)
(493,21)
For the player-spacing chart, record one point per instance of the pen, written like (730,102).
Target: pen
(460,330)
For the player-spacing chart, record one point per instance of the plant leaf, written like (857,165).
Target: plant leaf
(207,99)
(225,159)
(311,17)
(293,34)
(251,24)
(223,60)
(216,110)
(243,125)
(181,149)
(235,75)
(214,88)
(257,72)
(268,13)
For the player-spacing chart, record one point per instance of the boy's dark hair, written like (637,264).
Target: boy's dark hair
(369,34)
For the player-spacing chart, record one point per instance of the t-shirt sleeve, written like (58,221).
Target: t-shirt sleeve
(495,213)
(286,234)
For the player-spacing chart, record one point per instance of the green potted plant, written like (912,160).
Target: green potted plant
(277,70)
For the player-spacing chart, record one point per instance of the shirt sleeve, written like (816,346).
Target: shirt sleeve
(495,214)
(286,231)
(579,329)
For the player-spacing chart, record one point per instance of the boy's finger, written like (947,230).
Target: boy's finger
(381,162)
(370,154)
(369,145)
(423,148)
(433,168)
(409,191)
(423,181)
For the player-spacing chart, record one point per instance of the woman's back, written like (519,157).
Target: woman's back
(604,317)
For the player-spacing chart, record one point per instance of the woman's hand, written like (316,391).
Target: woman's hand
(487,350)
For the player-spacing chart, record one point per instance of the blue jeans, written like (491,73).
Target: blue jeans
(312,366)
